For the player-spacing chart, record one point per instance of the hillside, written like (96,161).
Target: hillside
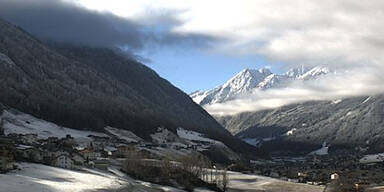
(90,88)
(299,127)
(345,123)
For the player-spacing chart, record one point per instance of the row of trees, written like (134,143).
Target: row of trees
(190,171)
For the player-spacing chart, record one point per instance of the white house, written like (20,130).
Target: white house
(64,161)
(335,176)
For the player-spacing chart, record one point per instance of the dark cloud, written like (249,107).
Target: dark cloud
(55,20)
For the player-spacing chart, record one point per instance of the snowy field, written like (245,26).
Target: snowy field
(255,183)
(41,178)
(37,177)
(21,123)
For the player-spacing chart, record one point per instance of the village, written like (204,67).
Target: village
(58,152)
(352,170)
(101,151)
(24,138)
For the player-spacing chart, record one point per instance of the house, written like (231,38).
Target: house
(110,150)
(52,140)
(6,154)
(90,154)
(335,176)
(29,153)
(68,142)
(30,138)
(48,157)
(64,161)
(335,185)
(59,152)
(122,150)
(78,159)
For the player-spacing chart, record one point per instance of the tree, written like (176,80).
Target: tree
(223,181)
(1,125)
(133,162)
(195,164)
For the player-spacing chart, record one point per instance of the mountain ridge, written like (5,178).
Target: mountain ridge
(349,123)
(90,88)
(249,80)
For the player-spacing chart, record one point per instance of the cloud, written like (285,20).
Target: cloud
(67,22)
(343,35)
(340,85)
(334,33)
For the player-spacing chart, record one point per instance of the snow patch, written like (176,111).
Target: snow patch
(123,134)
(193,136)
(337,101)
(373,158)
(163,136)
(21,123)
(252,141)
(366,100)
(36,177)
(322,151)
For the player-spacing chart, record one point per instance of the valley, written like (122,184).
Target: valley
(191,96)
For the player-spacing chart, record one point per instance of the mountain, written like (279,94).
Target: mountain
(249,80)
(241,83)
(91,88)
(345,123)
(302,127)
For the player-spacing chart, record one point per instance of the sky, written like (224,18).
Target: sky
(199,44)
(188,59)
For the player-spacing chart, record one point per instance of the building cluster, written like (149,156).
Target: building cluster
(316,170)
(59,152)
(96,151)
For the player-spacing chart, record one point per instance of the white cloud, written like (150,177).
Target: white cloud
(339,34)
(330,32)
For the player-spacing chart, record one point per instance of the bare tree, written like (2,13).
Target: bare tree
(1,125)
(166,168)
(223,181)
(133,161)
(196,165)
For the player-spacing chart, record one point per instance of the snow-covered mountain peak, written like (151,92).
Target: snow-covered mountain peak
(296,72)
(315,72)
(306,73)
(248,80)
(264,71)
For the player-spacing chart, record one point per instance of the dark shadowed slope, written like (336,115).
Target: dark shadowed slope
(89,88)
(348,122)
